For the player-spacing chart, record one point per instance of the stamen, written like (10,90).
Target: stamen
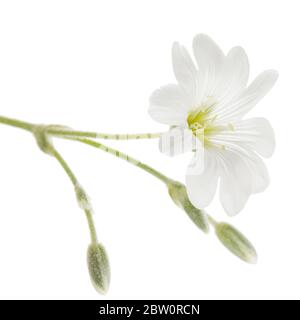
(201,122)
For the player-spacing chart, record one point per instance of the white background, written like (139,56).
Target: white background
(92,65)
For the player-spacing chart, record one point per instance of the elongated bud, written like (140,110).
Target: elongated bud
(236,242)
(178,193)
(43,140)
(99,269)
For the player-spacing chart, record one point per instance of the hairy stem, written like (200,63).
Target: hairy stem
(96,135)
(71,175)
(62,131)
(125,157)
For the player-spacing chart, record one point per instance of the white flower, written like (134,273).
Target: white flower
(208,104)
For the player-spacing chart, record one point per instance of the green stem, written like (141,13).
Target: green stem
(125,157)
(17,123)
(56,131)
(31,127)
(81,136)
(212,221)
(61,131)
(65,166)
(91,224)
(75,183)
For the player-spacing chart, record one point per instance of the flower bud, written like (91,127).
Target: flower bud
(99,269)
(236,242)
(178,193)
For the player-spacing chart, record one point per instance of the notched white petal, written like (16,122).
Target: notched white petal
(259,173)
(251,95)
(201,181)
(234,77)
(207,53)
(184,68)
(258,134)
(236,183)
(168,105)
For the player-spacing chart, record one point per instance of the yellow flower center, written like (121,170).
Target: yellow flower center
(202,123)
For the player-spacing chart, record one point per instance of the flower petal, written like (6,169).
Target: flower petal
(201,187)
(169,105)
(259,177)
(250,97)
(210,59)
(234,77)
(253,134)
(178,140)
(259,173)
(236,182)
(257,134)
(184,69)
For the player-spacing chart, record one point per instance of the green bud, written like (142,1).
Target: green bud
(236,242)
(99,269)
(178,193)
(43,140)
